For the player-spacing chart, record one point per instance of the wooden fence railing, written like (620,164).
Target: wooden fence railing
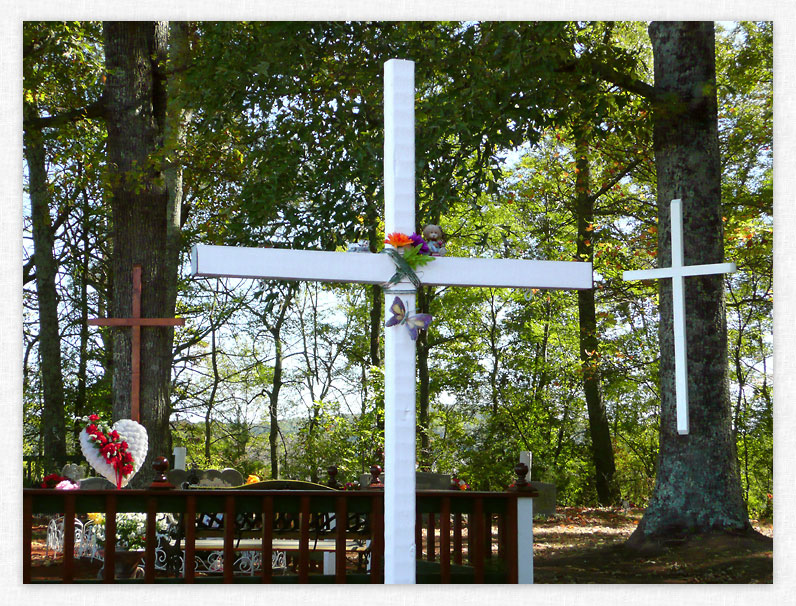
(461,536)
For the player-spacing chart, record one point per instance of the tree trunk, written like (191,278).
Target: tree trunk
(52,419)
(273,396)
(211,403)
(273,404)
(697,486)
(135,53)
(424,297)
(601,445)
(376,314)
(80,397)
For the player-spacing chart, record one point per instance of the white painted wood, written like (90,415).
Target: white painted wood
(368,268)
(524,540)
(329,562)
(399,348)
(399,146)
(285,264)
(678,272)
(371,268)
(399,451)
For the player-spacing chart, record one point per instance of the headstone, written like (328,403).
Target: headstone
(424,480)
(208,478)
(73,471)
(178,477)
(232,476)
(96,483)
(545,503)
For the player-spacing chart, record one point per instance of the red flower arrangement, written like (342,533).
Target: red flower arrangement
(52,480)
(112,448)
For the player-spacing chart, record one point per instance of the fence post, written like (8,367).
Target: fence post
(525,494)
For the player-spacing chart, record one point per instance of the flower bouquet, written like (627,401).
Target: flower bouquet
(414,248)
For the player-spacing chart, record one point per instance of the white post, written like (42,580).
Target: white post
(524,540)
(329,562)
(678,312)
(179,457)
(399,348)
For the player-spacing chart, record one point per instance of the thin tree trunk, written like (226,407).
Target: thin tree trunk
(376,314)
(697,486)
(212,400)
(273,407)
(80,399)
(273,394)
(599,429)
(424,296)
(53,426)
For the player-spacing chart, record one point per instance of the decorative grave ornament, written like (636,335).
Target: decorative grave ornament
(375,268)
(435,238)
(678,272)
(413,322)
(116,452)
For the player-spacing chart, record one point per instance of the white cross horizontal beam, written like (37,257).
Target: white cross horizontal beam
(369,268)
(684,271)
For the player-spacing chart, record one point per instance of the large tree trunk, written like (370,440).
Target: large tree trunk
(601,445)
(697,487)
(52,420)
(135,54)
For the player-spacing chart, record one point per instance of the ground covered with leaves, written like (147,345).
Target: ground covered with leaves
(586,545)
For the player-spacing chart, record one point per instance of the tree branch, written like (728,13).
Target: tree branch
(94,110)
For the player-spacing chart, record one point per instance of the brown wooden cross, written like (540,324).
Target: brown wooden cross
(136,322)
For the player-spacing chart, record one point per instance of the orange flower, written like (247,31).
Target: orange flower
(398,239)
(252,479)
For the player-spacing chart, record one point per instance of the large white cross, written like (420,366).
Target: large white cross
(678,272)
(368,268)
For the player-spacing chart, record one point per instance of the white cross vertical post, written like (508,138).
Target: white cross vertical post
(367,268)
(678,272)
(399,348)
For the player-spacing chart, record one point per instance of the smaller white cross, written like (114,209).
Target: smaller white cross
(678,272)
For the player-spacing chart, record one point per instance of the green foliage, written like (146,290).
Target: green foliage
(285,149)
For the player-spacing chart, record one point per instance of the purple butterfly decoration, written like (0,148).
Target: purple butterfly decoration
(413,322)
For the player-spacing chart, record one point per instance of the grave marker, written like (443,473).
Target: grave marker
(135,323)
(369,268)
(678,272)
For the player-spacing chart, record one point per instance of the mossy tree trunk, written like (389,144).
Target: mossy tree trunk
(135,54)
(697,486)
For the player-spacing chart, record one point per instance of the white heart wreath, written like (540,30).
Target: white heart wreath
(137,443)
